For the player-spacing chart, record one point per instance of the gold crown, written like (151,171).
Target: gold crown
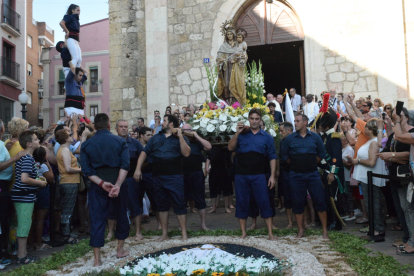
(228,25)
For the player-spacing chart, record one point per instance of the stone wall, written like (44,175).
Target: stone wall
(345,76)
(190,30)
(128,91)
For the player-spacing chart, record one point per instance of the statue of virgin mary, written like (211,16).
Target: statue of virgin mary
(231,60)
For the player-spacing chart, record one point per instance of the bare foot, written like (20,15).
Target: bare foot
(231,207)
(97,263)
(138,237)
(243,236)
(122,253)
(325,235)
(184,237)
(212,210)
(289,226)
(272,238)
(204,228)
(110,236)
(162,238)
(274,227)
(159,227)
(306,226)
(254,226)
(228,211)
(194,210)
(299,235)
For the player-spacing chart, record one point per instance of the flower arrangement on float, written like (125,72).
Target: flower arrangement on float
(219,120)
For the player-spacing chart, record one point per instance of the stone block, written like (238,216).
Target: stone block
(189,3)
(182,100)
(116,105)
(179,28)
(196,36)
(201,97)
(358,68)
(126,115)
(192,99)
(330,61)
(195,73)
(360,86)
(351,77)
(183,78)
(206,85)
(186,47)
(183,38)
(191,18)
(346,67)
(199,17)
(175,49)
(332,68)
(188,28)
(204,72)
(337,86)
(116,115)
(372,83)
(340,59)
(186,90)
(197,86)
(180,4)
(206,26)
(337,77)
(348,85)
(177,90)
(203,7)
(188,10)
(181,58)
(173,98)
(207,34)
(136,103)
(196,28)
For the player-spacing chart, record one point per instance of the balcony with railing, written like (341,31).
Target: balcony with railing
(9,72)
(10,20)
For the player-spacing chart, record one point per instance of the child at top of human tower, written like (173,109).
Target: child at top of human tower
(71,26)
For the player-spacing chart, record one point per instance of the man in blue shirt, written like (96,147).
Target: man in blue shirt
(105,160)
(75,96)
(254,149)
(194,183)
(134,194)
(303,150)
(167,150)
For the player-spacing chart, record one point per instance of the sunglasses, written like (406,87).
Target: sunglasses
(387,108)
(365,105)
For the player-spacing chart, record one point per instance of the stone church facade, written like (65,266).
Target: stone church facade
(157,47)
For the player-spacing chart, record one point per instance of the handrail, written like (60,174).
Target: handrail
(10,68)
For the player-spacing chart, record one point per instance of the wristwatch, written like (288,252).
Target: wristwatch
(100,184)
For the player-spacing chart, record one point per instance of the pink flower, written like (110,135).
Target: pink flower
(212,105)
(236,105)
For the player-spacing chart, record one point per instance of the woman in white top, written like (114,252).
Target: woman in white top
(367,160)
(378,105)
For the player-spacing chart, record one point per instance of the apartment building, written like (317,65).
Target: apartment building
(13,57)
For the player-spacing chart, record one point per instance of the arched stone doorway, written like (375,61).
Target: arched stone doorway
(275,37)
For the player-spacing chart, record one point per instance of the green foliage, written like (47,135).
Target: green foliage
(254,83)
(358,257)
(211,76)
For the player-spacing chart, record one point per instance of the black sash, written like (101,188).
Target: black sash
(173,166)
(193,163)
(250,163)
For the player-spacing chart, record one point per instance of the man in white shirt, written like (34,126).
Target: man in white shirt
(295,99)
(311,109)
(156,113)
(333,101)
(272,99)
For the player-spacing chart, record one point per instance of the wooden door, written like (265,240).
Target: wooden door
(270,23)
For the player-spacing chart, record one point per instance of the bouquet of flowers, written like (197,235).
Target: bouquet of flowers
(255,83)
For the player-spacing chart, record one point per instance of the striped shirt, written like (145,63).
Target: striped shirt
(26,164)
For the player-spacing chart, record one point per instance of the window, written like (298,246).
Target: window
(6,111)
(61,112)
(93,110)
(29,69)
(29,41)
(61,83)
(94,79)
(30,94)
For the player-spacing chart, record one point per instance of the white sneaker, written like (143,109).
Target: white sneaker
(358,213)
(2,267)
(350,218)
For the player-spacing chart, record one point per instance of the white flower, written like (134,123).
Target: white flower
(272,132)
(195,116)
(246,123)
(234,127)
(234,119)
(203,124)
(196,121)
(223,117)
(196,127)
(266,118)
(246,115)
(213,122)
(223,128)
(210,128)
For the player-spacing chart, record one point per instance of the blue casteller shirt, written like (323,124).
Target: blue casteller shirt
(134,148)
(104,150)
(72,22)
(277,117)
(166,154)
(73,88)
(254,151)
(302,151)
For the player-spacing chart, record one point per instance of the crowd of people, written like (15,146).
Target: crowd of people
(109,181)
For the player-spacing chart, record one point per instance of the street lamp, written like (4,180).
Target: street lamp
(23,99)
